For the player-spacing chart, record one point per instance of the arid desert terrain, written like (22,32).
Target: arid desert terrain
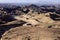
(30,22)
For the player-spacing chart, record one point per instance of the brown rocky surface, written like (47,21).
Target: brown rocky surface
(37,27)
(29,23)
(31,33)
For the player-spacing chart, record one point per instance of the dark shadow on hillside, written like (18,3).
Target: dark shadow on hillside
(4,28)
(6,18)
(55,17)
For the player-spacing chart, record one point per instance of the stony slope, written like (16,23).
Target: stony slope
(32,26)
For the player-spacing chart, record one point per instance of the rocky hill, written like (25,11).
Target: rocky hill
(30,23)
